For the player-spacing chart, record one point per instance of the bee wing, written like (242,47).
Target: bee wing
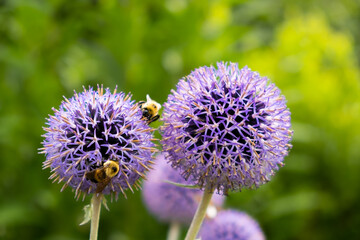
(101,185)
(148,99)
(91,176)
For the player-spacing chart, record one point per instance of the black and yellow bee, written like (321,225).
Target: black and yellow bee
(150,110)
(103,175)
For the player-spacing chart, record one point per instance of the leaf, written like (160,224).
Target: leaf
(104,202)
(183,185)
(88,209)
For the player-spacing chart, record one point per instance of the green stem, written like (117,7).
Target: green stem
(95,216)
(199,215)
(174,231)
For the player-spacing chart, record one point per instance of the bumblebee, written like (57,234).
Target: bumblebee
(150,110)
(103,175)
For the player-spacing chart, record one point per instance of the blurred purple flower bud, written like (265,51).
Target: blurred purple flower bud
(231,225)
(170,203)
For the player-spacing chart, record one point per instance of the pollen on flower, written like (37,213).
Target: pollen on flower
(226,128)
(90,129)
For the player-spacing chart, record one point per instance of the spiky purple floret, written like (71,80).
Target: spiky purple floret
(231,225)
(91,128)
(225,127)
(170,203)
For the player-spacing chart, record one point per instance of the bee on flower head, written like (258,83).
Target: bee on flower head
(103,174)
(150,110)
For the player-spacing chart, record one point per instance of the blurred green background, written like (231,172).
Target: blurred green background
(309,48)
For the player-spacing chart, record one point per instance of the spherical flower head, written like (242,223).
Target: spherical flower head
(91,129)
(226,128)
(231,225)
(170,203)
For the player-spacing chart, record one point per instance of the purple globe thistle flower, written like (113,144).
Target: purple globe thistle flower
(170,203)
(231,225)
(88,130)
(226,128)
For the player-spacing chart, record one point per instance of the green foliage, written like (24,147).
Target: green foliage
(308,48)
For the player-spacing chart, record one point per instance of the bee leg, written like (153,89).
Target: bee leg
(153,119)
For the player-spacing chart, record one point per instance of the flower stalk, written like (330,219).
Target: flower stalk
(96,207)
(174,231)
(199,215)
